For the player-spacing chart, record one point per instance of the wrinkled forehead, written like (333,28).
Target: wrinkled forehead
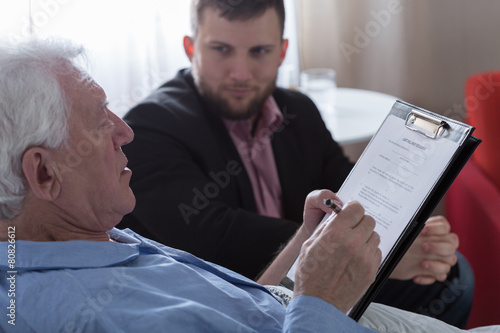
(87,99)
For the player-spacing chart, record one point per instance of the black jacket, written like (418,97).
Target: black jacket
(192,190)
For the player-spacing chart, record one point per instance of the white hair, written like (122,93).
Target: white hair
(34,108)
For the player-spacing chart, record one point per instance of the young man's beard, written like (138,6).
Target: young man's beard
(222,107)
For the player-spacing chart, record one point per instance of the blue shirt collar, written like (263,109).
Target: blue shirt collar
(84,254)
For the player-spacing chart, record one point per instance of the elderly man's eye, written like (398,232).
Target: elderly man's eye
(107,125)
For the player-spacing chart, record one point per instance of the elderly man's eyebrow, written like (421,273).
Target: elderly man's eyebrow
(99,109)
(104,104)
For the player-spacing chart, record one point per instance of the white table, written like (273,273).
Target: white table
(358,114)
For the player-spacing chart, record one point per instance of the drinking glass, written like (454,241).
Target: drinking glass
(320,85)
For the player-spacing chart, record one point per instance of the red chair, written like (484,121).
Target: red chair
(482,100)
(473,201)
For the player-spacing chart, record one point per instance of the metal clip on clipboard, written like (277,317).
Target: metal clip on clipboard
(427,125)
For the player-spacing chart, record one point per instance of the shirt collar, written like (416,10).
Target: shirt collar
(73,254)
(270,118)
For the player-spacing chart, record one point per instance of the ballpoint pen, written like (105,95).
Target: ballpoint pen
(333,205)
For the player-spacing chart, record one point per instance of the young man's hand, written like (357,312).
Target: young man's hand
(432,254)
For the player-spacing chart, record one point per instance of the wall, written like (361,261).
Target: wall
(420,51)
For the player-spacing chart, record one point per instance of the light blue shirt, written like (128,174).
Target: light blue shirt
(139,285)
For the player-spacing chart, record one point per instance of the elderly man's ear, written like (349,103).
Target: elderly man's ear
(41,173)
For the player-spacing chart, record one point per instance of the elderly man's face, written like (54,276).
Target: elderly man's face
(94,177)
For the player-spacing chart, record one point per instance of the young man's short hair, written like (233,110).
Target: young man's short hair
(241,10)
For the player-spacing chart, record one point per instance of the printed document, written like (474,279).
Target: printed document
(395,175)
(393,178)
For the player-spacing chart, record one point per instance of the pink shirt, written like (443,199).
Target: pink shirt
(257,155)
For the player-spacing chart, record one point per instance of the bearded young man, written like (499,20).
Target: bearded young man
(223,161)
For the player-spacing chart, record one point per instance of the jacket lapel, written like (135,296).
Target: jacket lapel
(289,163)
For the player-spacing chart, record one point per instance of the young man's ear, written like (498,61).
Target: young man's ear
(188,47)
(284,47)
(41,173)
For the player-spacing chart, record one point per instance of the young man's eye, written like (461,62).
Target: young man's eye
(259,51)
(221,49)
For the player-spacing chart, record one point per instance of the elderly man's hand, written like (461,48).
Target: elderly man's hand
(339,261)
(431,255)
(315,209)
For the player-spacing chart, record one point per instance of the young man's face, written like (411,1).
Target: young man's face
(235,63)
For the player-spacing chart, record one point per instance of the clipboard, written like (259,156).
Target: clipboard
(407,128)
(434,127)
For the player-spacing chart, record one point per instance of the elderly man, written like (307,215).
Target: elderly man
(64,185)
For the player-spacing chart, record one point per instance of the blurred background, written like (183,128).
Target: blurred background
(420,51)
